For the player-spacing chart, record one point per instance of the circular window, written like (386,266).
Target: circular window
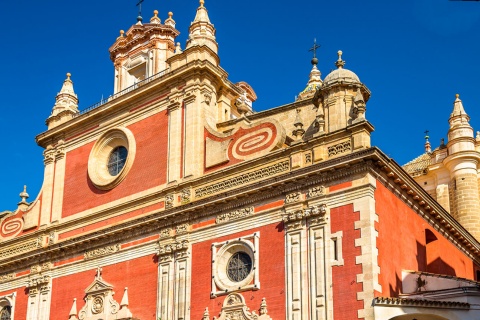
(234,266)
(117,160)
(239,266)
(111,158)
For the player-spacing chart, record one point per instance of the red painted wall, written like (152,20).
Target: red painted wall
(139,275)
(345,286)
(148,169)
(401,245)
(21,302)
(272,274)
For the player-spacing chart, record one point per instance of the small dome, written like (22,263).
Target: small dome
(341,74)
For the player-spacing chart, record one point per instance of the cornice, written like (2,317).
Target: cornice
(370,160)
(124,102)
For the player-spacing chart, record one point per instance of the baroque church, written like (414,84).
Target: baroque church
(174,199)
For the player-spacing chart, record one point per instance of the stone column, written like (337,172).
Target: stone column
(47,188)
(59,182)
(174,140)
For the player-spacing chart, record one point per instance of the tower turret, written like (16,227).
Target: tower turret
(202,31)
(462,162)
(143,50)
(66,105)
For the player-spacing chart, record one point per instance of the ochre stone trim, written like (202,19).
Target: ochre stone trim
(101,251)
(243,179)
(237,214)
(398,302)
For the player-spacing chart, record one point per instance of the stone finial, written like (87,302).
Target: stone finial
(202,14)
(360,106)
(124,312)
(169,21)
(298,132)
(155,19)
(24,195)
(66,104)
(458,117)
(122,34)
(202,31)
(73,311)
(178,49)
(98,276)
(206,315)
(340,63)
(458,107)
(263,307)
(428,148)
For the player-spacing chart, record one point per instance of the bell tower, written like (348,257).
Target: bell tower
(142,51)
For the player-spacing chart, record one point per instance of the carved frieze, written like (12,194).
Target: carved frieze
(38,281)
(18,249)
(169,198)
(235,308)
(165,233)
(292,197)
(233,215)
(7,277)
(296,218)
(316,191)
(185,196)
(41,267)
(242,179)
(101,251)
(181,228)
(170,248)
(339,148)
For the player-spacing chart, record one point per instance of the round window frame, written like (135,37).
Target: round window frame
(98,159)
(223,257)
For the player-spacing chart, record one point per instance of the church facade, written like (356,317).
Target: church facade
(173,199)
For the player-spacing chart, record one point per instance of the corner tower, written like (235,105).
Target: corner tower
(462,162)
(142,51)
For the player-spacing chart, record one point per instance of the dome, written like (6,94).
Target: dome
(339,75)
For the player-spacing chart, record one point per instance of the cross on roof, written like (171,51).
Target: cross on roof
(314,47)
(139,5)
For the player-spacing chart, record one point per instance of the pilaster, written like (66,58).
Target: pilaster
(174,138)
(47,188)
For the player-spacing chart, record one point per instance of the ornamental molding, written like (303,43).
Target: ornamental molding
(100,304)
(165,233)
(316,191)
(242,179)
(37,268)
(292,197)
(172,247)
(182,228)
(235,308)
(169,198)
(38,281)
(185,196)
(19,249)
(339,148)
(7,277)
(295,219)
(100,252)
(234,215)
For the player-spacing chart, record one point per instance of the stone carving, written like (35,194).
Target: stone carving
(237,214)
(100,304)
(165,233)
(235,308)
(185,196)
(316,191)
(295,219)
(11,228)
(7,277)
(339,148)
(170,248)
(21,248)
(292,197)
(38,281)
(308,157)
(101,251)
(243,179)
(169,200)
(208,97)
(41,267)
(181,228)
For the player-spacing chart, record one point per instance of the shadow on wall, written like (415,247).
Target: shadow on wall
(429,256)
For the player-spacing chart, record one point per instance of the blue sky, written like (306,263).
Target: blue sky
(414,55)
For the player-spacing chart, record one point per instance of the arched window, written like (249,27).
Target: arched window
(6,313)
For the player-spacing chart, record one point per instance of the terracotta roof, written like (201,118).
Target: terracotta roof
(389,301)
(418,166)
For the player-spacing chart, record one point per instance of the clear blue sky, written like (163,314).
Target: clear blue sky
(414,55)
